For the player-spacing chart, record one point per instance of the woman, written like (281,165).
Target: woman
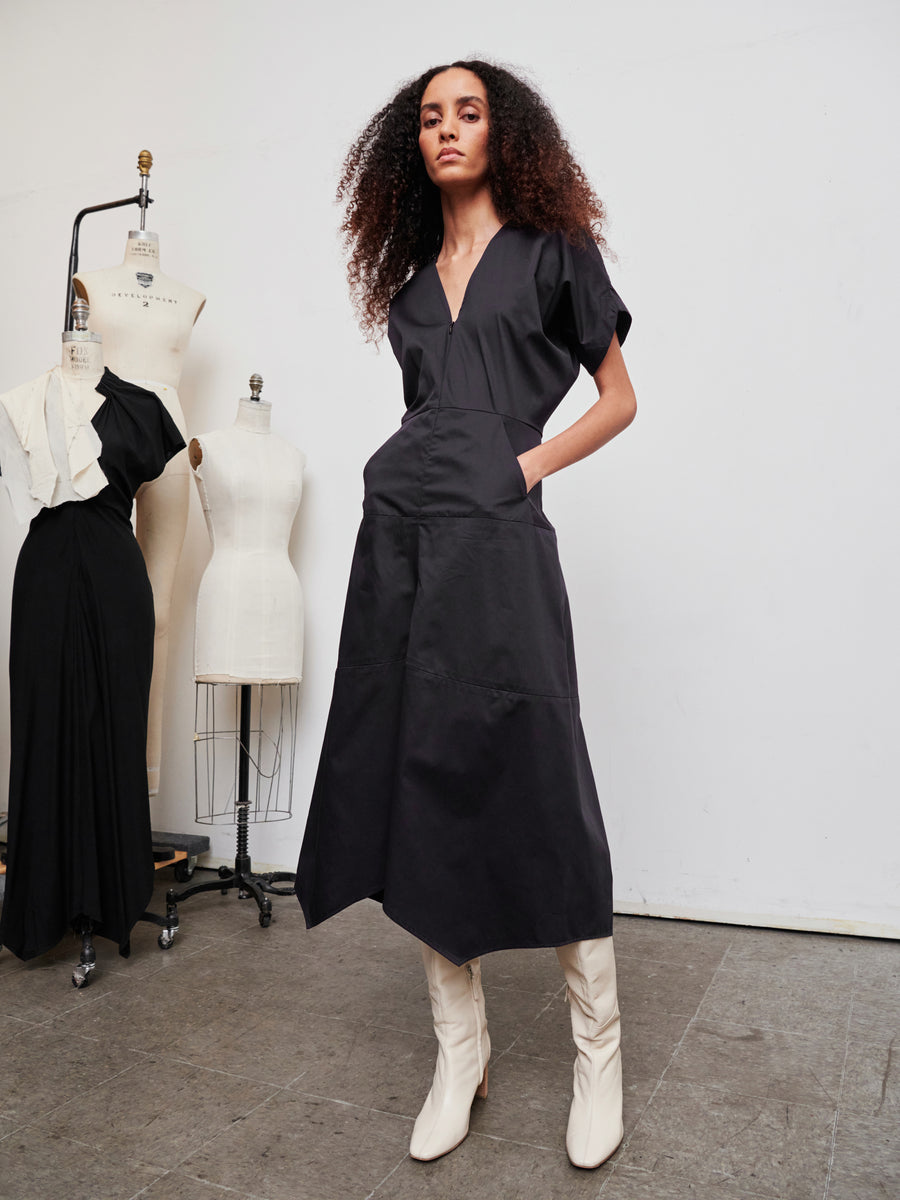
(454,784)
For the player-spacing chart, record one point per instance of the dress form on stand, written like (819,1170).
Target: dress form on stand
(249,633)
(146,319)
(81,843)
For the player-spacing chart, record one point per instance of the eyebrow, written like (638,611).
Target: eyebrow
(460,100)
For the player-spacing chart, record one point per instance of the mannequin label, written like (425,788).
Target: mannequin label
(144,299)
(79,359)
(140,249)
(144,278)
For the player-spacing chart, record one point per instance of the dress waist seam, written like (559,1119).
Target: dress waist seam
(491,412)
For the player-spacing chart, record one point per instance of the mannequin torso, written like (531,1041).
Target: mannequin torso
(146,319)
(250,604)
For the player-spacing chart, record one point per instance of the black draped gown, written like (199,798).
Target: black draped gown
(81,656)
(454,783)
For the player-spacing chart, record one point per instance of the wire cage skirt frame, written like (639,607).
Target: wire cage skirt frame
(239,730)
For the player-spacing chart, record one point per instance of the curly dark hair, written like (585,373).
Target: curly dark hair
(392,221)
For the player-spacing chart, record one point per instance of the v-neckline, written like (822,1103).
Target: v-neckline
(474,272)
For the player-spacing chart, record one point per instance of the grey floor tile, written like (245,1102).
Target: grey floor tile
(37,1165)
(510,1013)
(794,1000)
(760,1062)
(147,959)
(785,948)
(673,941)
(404,1006)
(269,1043)
(483,1168)
(872,955)
(876,1004)
(298,1148)
(528,1101)
(7,1127)
(371,1067)
(42,1070)
(149,1014)
(364,922)
(223,968)
(175,1185)
(39,992)
(525,970)
(12,1027)
(649,1039)
(866,1159)
(669,987)
(627,1183)
(408,1008)
(9,963)
(872,1081)
(157,1113)
(364,936)
(353,957)
(737,1143)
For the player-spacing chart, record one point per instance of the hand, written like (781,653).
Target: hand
(529,468)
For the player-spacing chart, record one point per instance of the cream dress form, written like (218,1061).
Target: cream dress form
(145,319)
(250,605)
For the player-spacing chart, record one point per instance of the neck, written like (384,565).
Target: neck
(142,251)
(82,361)
(253,416)
(470,220)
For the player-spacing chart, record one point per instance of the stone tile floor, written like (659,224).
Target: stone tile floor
(280,1064)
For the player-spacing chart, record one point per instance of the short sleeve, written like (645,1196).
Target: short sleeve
(170,435)
(159,438)
(579,306)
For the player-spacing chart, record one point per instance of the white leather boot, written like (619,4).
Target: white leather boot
(457,1003)
(595,1118)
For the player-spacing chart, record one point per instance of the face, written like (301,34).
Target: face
(453,129)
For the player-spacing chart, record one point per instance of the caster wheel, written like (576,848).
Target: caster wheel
(165,939)
(184,869)
(81,976)
(265,919)
(224,872)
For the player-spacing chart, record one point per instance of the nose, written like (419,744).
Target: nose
(448,132)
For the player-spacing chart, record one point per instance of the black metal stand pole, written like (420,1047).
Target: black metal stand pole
(141,200)
(242,877)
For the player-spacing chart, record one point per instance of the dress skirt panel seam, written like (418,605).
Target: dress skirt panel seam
(486,686)
(480,684)
(424,518)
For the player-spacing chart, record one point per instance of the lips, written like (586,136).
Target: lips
(448,152)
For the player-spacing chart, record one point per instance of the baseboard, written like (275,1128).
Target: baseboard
(842,925)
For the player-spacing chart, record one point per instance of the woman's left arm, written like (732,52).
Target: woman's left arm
(613,411)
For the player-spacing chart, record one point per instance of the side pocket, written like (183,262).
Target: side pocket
(514,462)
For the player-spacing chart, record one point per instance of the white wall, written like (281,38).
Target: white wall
(732,560)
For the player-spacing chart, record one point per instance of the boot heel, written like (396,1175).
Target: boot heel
(482,1090)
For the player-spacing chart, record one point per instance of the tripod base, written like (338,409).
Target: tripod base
(244,878)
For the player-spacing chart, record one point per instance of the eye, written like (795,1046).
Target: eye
(430,122)
(471,116)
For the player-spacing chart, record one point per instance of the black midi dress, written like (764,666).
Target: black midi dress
(454,783)
(81,655)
